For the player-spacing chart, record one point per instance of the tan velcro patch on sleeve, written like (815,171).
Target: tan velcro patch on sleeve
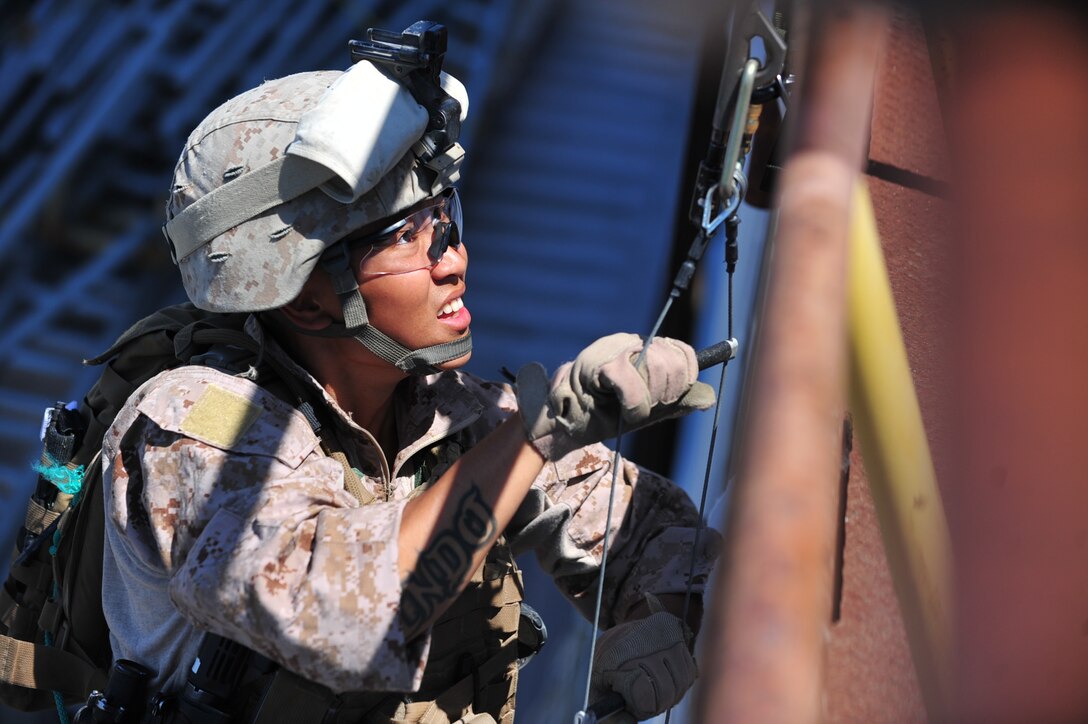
(221,417)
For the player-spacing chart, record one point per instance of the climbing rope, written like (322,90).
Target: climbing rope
(714,206)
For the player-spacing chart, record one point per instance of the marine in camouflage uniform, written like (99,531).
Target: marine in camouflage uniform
(377,559)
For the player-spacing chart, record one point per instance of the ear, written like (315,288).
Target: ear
(315,307)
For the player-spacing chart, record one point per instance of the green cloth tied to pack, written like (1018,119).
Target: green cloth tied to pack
(67,479)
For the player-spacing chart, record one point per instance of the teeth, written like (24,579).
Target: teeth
(452,307)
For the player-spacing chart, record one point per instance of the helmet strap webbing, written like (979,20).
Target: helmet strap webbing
(357,325)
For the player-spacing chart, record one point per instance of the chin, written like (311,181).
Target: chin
(457,363)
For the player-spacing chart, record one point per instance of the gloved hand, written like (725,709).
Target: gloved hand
(647,662)
(585,399)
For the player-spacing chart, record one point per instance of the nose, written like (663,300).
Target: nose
(454,262)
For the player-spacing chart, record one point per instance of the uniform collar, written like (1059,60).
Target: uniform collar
(428,408)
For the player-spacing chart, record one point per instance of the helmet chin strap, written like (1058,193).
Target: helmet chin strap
(357,325)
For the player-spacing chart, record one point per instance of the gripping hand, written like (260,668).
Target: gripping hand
(647,662)
(585,399)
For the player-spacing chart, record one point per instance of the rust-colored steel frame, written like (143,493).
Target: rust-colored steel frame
(767,633)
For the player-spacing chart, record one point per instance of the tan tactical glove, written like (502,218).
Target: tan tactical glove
(586,398)
(647,662)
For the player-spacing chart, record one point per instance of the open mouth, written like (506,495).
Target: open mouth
(451,308)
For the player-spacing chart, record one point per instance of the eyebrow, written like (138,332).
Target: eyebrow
(359,236)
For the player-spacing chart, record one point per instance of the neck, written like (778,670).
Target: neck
(364,391)
(362,384)
(370,404)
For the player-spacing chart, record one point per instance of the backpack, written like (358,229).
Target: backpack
(54,642)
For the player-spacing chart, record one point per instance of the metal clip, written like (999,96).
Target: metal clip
(736,129)
(729,207)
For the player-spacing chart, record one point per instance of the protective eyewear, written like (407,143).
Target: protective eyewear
(418,241)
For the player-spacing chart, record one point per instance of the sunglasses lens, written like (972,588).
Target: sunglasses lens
(454,211)
(417,242)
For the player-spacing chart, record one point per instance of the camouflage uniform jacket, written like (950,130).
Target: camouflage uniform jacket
(224,514)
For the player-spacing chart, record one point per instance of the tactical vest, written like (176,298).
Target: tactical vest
(471,674)
(54,643)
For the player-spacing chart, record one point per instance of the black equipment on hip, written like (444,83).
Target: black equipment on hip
(124,700)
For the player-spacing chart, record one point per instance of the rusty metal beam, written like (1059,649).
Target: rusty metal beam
(767,632)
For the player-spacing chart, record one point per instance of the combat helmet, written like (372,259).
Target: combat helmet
(272,179)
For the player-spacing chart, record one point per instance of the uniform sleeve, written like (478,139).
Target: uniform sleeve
(654,526)
(259,539)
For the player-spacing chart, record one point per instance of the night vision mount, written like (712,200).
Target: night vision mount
(414,59)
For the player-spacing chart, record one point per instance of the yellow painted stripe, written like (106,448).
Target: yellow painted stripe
(893,442)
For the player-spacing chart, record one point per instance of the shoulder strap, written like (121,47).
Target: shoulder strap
(352,482)
(78,570)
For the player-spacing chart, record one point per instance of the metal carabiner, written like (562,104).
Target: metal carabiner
(729,207)
(736,129)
